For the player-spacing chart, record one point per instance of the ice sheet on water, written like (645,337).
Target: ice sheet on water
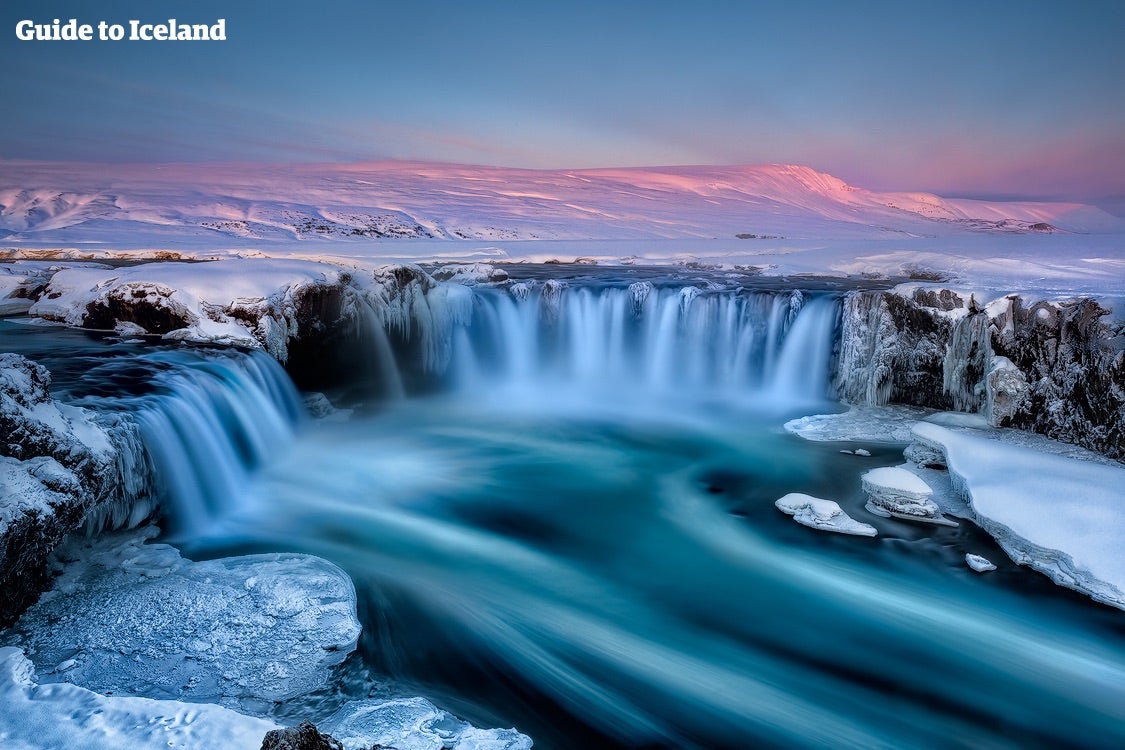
(871,424)
(414,724)
(36,716)
(130,617)
(1059,514)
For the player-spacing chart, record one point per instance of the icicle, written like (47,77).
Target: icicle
(967,361)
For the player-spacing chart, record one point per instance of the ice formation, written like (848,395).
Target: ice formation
(1059,514)
(37,716)
(825,515)
(131,617)
(896,492)
(414,724)
(978,563)
(59,467)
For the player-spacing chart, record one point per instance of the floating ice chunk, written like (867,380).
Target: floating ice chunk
(896,492)
(127,328)
(414,724)
(822,514)
(67,716)
(137,618)
(978,563)
(862,452)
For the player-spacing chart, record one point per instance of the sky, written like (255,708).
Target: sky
(990,98)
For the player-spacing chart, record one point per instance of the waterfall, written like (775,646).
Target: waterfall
(558,339)
(205,420)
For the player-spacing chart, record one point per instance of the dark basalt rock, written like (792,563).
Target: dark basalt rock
(1074,362)
(148,305)
(304,736)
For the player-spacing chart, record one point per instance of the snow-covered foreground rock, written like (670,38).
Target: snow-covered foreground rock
(36,716)
(825,515)
(129,617)
(1063,516)
(59,468)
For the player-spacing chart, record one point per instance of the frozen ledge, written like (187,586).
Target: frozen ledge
(1060,515)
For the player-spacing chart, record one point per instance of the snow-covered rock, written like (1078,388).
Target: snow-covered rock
(36,716)
(978,563)
(243,302)
(895,492)
(824,515)
(470,273)
(1053,366)
(57,464)
(414,724)
(125,616)
(1059,514)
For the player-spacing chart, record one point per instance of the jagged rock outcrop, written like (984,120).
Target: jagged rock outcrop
(925,349)
(1054,367)
(59,468)
(1073,359)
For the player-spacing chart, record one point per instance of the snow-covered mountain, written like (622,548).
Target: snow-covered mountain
(262,205)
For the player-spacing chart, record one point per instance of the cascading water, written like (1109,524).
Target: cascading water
(623,583)
(644,340)
(206,419)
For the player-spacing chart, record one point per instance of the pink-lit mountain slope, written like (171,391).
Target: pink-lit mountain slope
(262,205)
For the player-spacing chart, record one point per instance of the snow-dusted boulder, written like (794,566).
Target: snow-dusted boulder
(36,716)
(979,564)
(414,724)
(825,515)
(1057,513)
(129,617)
(254,303)
(470,273)
(896,492)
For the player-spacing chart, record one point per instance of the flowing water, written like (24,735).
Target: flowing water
(575,534)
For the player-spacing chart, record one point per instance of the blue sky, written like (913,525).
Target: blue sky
(982,98)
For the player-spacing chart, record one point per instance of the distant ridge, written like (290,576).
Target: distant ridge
(259,205)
